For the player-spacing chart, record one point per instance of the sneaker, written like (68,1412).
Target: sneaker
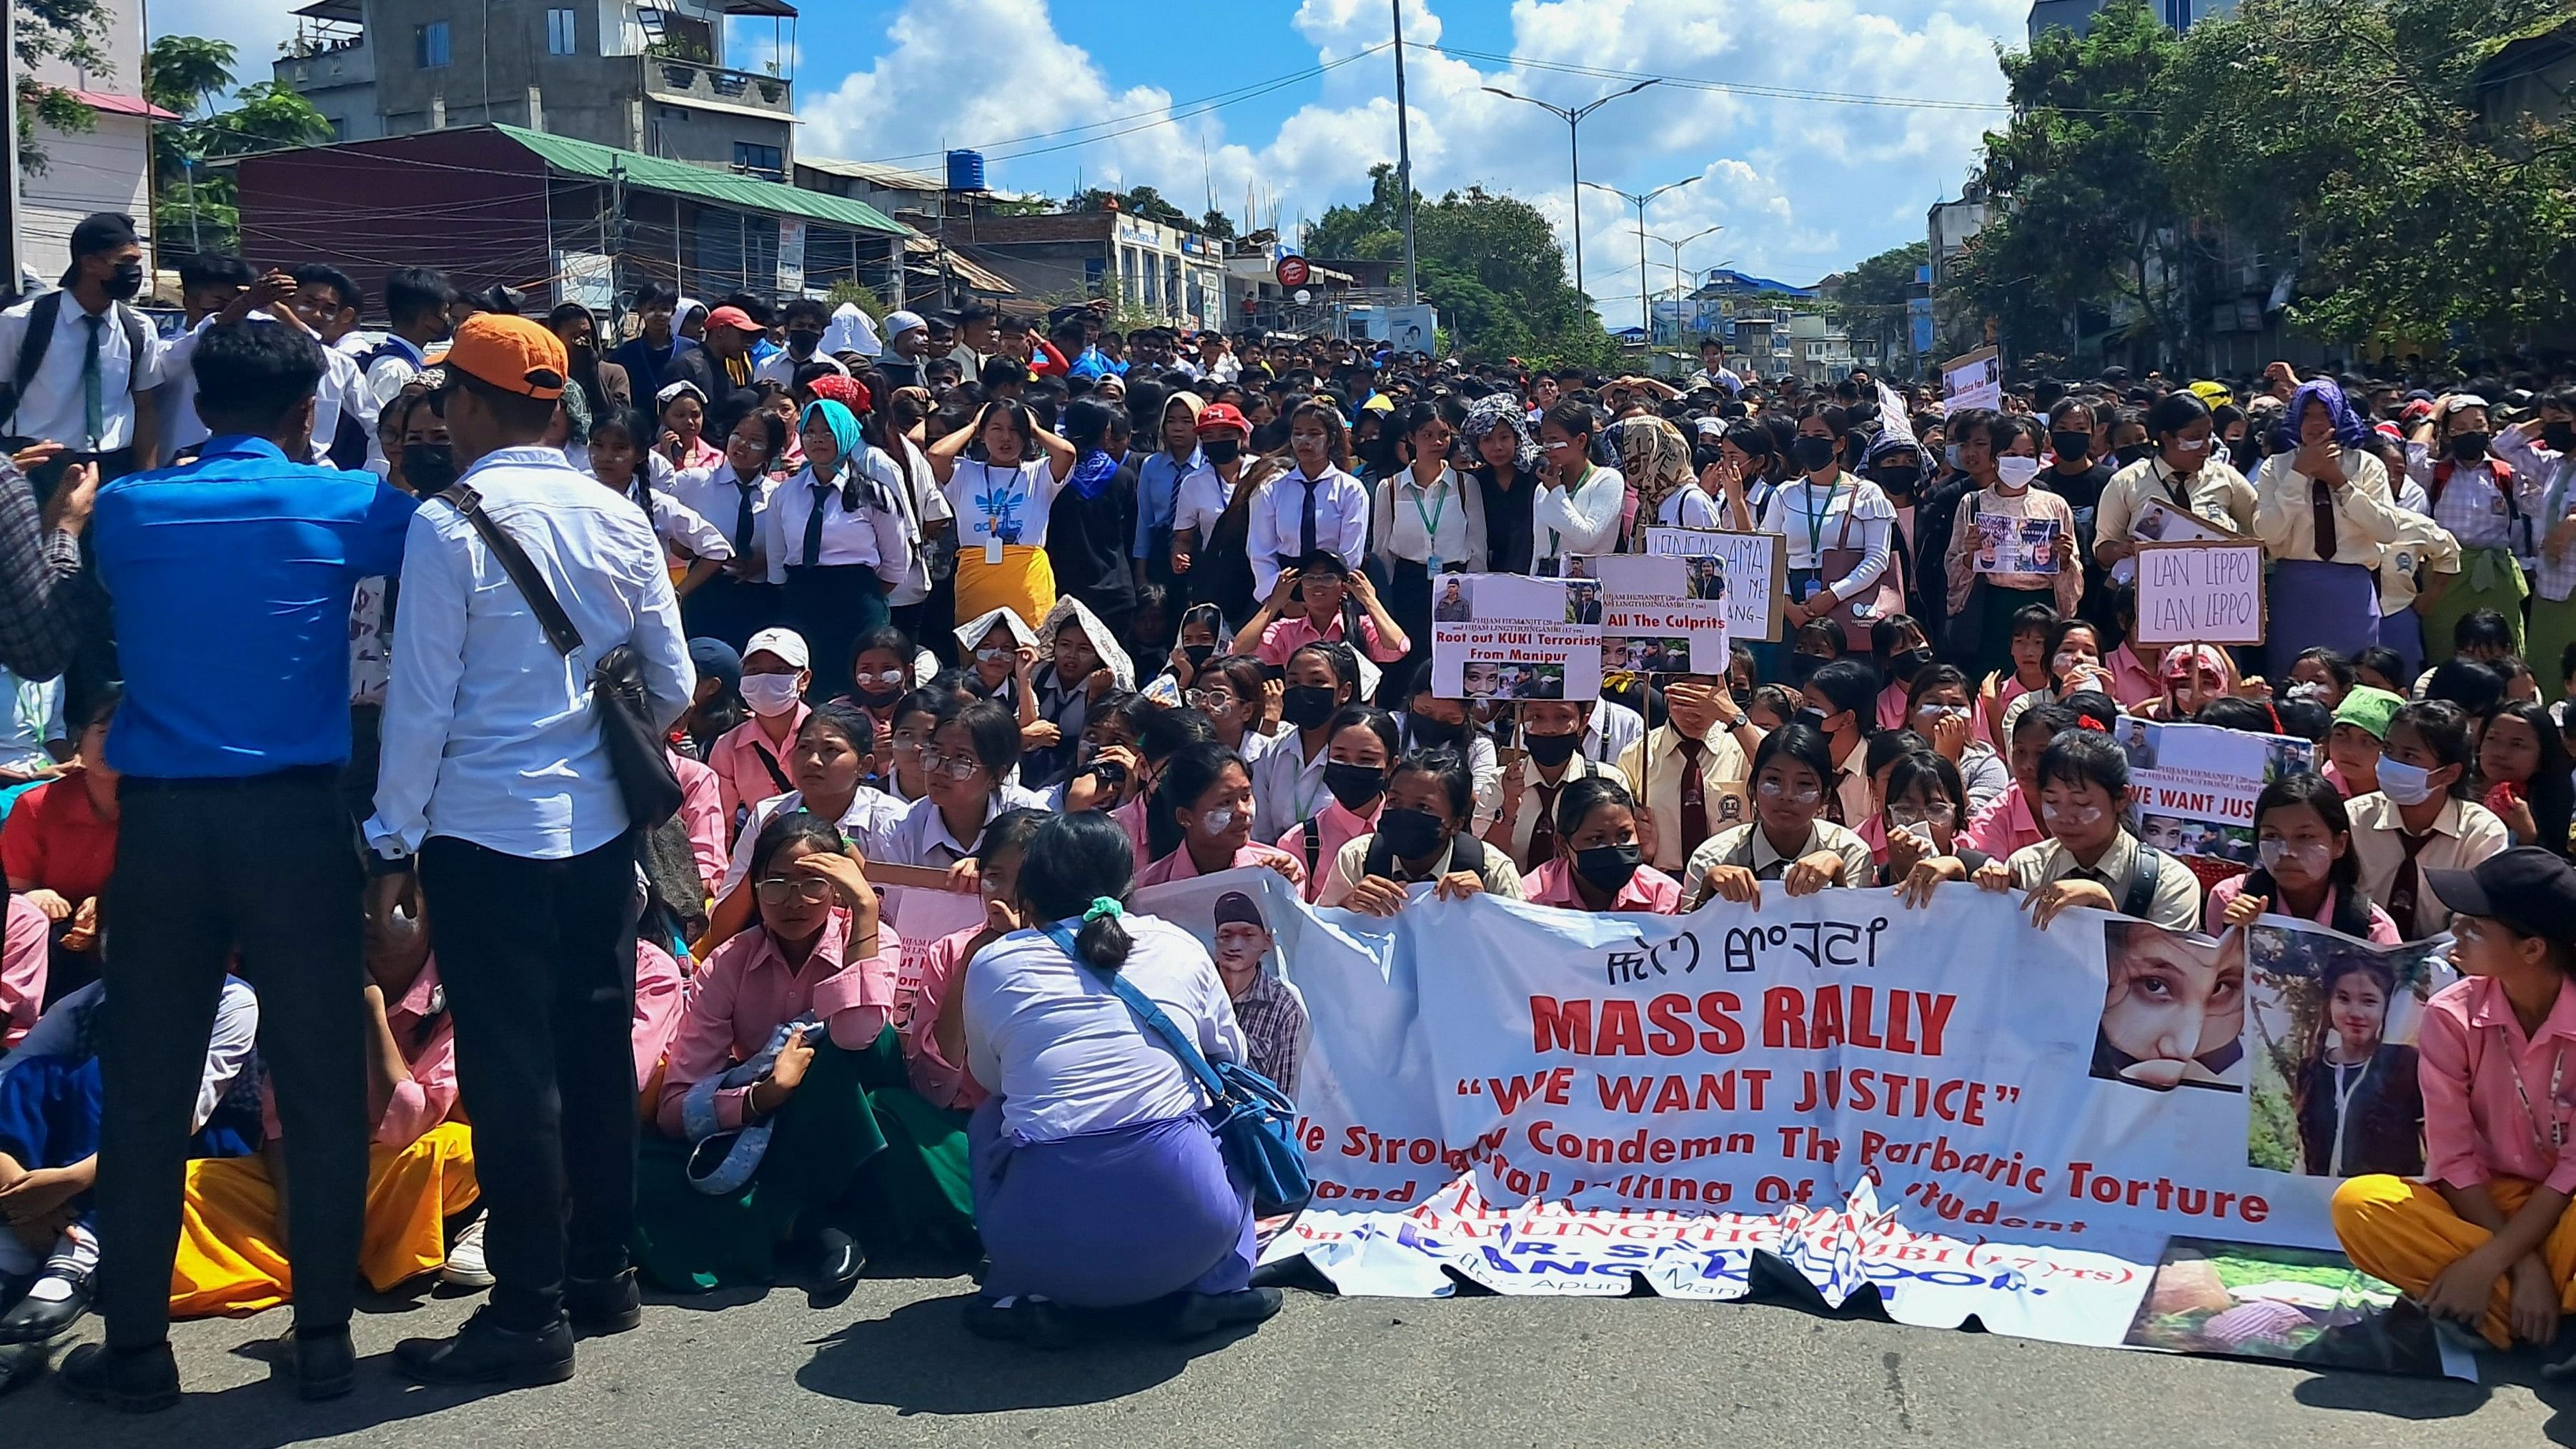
(320,1365)
(1196,1315)
(132,1381)
(1033,1322)
(482,1352)
(465,1267)
(602,1306)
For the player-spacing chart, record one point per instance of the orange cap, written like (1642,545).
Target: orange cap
(514,354)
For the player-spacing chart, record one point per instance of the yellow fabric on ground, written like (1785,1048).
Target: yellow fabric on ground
(230,1257)
(2406,1233)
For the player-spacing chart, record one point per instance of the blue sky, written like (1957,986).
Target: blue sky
(1802,186)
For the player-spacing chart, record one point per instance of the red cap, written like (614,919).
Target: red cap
(735,318)
(1217,417)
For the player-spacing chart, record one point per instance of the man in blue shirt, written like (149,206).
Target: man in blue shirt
(231,580)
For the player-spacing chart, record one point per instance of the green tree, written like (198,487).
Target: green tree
(187,74)
(1217,224)
(1142,201)
(1873,296)
(72,32)
(2089,218)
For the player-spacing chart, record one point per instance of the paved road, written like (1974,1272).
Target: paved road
(892,1368)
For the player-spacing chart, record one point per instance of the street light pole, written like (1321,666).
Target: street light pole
(1404,159)
(1573,118)
(1645,288)
(1678,291)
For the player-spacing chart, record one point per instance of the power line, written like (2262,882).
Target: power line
(1777,93)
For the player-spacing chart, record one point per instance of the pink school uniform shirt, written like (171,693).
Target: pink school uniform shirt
(2383,929)
(747,989)
(1649,891)
(1179,866)
(941,1082)
(1336,827)
(2005,826)
(1286,636)
(26,960)
(2472,1050)
(702,811)
(742,777)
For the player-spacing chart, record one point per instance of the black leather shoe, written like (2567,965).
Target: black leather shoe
(481,1353)
(1196,1315)
(137,1381)
(20,1363)
(320,1365)
(602,1306)
(1028,1322)
(35,1320)
(838,1262)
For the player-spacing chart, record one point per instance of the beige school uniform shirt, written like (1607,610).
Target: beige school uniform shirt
(1657,760)
(2463,834)
(1520,822)
(1747,846)
(2175,905)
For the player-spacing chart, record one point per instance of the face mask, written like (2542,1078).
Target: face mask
(1898,480)
(2404,783)
(2064,661)
(1811,454)
(2307,689)
(1950,454)
(1803,665)
(877,698)
(1306,705)
(429,467)
(1908,663)
(2071,445)
(1217,822)
(1353,785)
(1428,732)
(2132,453)
(1812,717)
(769,695)
(2469,447)
(1198,655)
(1608,868)
(125,281)
(801,345)
(1222,451)
(1551,750)
(2245,452)
(1411,834)
(2561,437)
(2016,472)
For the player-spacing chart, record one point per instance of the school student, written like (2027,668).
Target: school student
(1288,782)
(1422,835)
(836,542)
(750,760)
(1790,838)
(1687,769)
(1598,864)
(1551,739)
(1199,819)
(2089,857)
(2422,819)
(2309,871)
(966,766)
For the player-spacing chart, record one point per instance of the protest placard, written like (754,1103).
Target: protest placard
(2160,522)
(2192,789)
(2200,593)
(917,903)
(2008,545)
(1663,614)
(1521,638)
(1973,380)
(1753,568)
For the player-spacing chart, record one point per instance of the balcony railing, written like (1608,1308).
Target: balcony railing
(684,80)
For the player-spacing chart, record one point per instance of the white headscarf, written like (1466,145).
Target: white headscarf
(850,331)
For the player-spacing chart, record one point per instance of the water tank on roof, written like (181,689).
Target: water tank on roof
(965,170)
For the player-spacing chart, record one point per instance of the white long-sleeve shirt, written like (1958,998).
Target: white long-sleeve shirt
(875,537)
(1445,522)
(1278,528)
(229,1046)
(715,494)
(490,736)
(1581,521)
(1812,520)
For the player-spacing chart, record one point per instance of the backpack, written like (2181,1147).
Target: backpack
(42,319)
(2142,891)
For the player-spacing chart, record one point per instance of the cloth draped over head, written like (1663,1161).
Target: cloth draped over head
(1893,424)
(1657,459)
(1122,670)
(1188,399)
(680,314)
(1500,410)
(2349,430)
(972,632)
(850,331)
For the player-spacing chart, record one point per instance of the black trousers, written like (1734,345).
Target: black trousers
(832,606)
(538,959)
(269,866)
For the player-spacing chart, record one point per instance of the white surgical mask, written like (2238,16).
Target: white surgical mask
(2016,472)
(2404,783)
(769,695)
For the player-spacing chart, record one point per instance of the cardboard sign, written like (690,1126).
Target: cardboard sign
(2200,593)
(1755,569)
(1975,380)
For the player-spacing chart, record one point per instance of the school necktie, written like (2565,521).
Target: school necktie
(742,519)
(1542,846)
(1694,794)
(2321,499)
(1306,530)
(814,524)
(2409,885)
(93,383)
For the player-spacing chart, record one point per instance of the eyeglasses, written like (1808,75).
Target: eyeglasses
(1794,794)
(1939,812)
(811,890)
(955,767)
(1209,699)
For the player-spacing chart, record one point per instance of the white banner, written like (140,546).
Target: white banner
(1977,1116)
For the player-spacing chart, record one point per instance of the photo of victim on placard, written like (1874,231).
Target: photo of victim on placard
(1662,614)
(2330,1026)
(2173,1008)
(1503,636)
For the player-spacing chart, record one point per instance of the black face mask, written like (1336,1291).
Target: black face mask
(429,467)
(1813,718)
(1306,705)
(876,698)
(2245,452)
(1551,750)
(1910,663)
(1608,868)
(1428,732)
(1811,454)
(125,281)
(1803,665)
(2133,453)
(2468,447)
(1198,655)
(802,345)
(1898,480)
(1222,451)
(1354,785)
(1411,834)
(2071,445)
(2561,437)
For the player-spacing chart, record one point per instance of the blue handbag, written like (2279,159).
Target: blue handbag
(1255,1123)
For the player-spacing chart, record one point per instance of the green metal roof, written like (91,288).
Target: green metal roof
(747,193)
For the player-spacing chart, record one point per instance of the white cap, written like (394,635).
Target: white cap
(787,644)
(899,323)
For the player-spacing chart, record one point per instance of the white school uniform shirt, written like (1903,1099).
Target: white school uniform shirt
(1583,520)
(715,494)
(490,736)
(1200,501)
(1287,788)
(1404,515)
(780,368)
(1613,729)
(869,823)
(342,392)
(875,537)
(1279,523)
(1688,506)
(1011,503)
(52,406)
(1813,522)
(1064,1056)
(31,713)
(922,838)
(230,1045)
(685,536)
(924,507)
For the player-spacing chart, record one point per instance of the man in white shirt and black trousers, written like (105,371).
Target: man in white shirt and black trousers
(498,779)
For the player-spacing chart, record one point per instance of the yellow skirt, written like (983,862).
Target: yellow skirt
(231,1257)
(1023,582)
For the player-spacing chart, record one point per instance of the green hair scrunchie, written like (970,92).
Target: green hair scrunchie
(1103,908)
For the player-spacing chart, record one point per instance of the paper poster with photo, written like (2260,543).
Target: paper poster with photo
(1520,639)
(1973,380)
(2158,521)
(2330,1025)
(2192,789)
(1752,569)
(2268,1301)
(2173,1008)
(2007,545)
(1663,614)
(2200,593)
(917,903)
(1250,922)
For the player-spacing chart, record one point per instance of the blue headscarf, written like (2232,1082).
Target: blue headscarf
(2350,430)
(844,425)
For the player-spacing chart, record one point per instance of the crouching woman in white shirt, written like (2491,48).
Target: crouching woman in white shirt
(1097,1183)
